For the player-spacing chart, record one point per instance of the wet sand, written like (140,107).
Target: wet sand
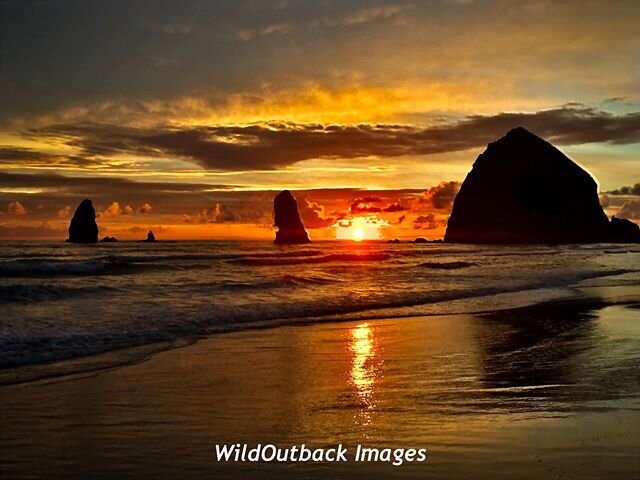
(535,393)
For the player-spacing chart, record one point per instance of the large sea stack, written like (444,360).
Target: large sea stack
(522,189)
(287,220)
(83,227)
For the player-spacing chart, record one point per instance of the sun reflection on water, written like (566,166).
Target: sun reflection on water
(364,373)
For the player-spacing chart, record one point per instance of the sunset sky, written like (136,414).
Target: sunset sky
(188,117)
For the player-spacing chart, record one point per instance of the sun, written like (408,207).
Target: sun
(358,229)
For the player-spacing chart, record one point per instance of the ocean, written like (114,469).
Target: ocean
(62,301)
(511,361)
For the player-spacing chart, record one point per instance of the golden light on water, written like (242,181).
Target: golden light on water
(363,371)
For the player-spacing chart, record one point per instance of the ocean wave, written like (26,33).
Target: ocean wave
(334,257)
(17,350)
(210,290)
(166,258)
(447,265)
(306,280)
(54,268)
(20,293)
(297,253)
(37,267)
(275,282)
(209,256)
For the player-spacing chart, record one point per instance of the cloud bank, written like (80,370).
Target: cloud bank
(276,145)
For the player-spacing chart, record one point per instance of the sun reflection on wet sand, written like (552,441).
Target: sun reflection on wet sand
(364,373)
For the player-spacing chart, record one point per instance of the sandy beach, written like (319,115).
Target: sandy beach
(487,395)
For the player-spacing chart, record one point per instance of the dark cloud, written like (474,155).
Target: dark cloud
(11,154)
(104,190)
(276,145)
(63,54)
(149,50)
(313,214)
(395,207)
(45,230)
(635,190)
(87,185)
(428,222)
(28,157)
(340,214)
(441,196)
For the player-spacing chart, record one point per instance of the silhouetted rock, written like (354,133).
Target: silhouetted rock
(109,239)
(522,189)
(623,231)
(287,220)
(150,237)
(421,240)
(395,240)
(83,227)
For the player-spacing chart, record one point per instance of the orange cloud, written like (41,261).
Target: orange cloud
(220,213)
(630,210)
(144,208)
(363,205)
(64,212)
(16,208)
(112,210)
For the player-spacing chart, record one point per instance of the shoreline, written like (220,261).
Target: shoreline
(94,364)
